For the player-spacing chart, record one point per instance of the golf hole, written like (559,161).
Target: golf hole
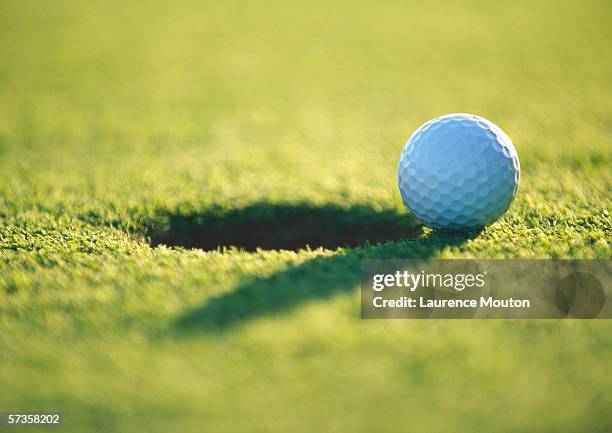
(283,227)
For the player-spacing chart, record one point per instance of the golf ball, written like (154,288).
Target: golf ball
(458,172)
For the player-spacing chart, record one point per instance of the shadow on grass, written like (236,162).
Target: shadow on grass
(283,226)
(317,279)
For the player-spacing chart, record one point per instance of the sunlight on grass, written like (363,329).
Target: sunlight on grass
(259,132)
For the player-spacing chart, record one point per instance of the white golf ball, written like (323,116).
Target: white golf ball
(458,172)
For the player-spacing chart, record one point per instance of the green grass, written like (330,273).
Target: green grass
(126,125)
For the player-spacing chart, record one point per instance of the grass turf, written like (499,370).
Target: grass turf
(125,126)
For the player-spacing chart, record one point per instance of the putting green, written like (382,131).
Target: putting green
(259,143)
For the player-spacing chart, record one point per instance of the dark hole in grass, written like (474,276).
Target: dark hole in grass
(283,226)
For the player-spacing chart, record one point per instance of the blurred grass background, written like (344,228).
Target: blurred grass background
(126,122)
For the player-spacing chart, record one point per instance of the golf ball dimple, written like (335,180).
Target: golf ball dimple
(458,172)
